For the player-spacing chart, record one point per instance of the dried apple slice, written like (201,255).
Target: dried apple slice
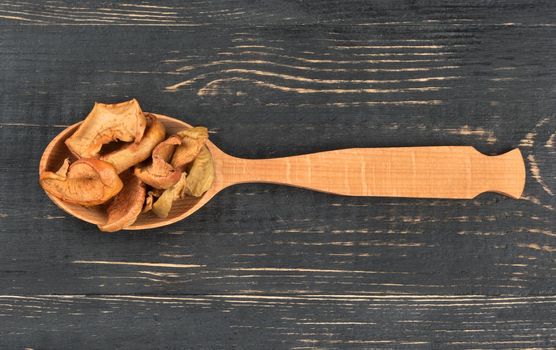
(161,174)
(162,206)
(134,153)
(126,206)
(193,140)
(201,174)
(86,182)
(149,201)
(196,183)
(165,150)
(107,122)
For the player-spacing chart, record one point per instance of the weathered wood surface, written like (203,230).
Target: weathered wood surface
(298,322)
(264,266)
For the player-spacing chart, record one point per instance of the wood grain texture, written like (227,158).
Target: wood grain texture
(293,322)
(436,172)
(273,79)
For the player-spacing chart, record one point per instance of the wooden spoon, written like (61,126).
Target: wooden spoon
(456,172)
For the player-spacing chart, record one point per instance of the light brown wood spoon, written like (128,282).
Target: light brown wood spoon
(454,172)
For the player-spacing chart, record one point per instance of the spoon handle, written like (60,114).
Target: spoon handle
(459,172)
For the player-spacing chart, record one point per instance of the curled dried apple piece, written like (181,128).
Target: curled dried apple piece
(86,182)
(192,140)
(163,205)
(133,153)
(161,174)
(201,174)
(148,205)
(151,195)
(64,168)
(126,206)
(107,122)
(165,150)
(196,183)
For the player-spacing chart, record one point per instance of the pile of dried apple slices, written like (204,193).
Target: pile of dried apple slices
(142,171)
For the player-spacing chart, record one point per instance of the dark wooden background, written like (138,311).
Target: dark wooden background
(270,267)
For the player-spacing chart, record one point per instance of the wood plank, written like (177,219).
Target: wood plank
(302,322)
(238,12)
(251,238)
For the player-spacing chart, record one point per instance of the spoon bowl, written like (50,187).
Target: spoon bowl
(451,172)
(57,151)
